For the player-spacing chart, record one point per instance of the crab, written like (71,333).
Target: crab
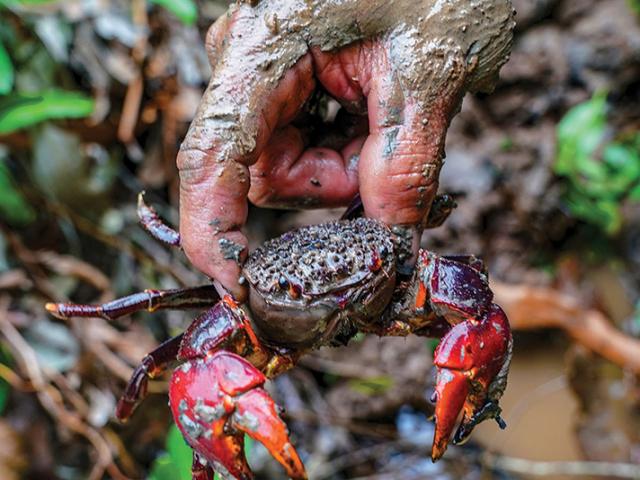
(311,287)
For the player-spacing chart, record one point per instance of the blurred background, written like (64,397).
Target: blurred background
(95,97)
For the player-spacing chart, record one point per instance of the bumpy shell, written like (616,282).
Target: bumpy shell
(313,285)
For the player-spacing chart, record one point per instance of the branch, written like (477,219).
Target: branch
(530,307)
(53,401)
(544,469)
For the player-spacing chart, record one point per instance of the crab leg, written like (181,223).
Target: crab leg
(219,398)
(152,365)
(215,400)
(152,223)
(450,298)
(150,300)
(216,395)
(473,357)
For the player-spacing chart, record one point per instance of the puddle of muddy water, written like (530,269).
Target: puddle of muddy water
(538,407)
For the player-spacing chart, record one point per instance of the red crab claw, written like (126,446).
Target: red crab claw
(472,359)
(216,400)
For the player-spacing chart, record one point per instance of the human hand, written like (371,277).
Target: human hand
(404,64)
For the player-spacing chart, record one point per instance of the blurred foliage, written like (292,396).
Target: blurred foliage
(71,171)
(5,388)
(25,110)
(371,386)
(185,10)
(13,207)
(6,71)
(635,6)
(601,172)
(432,344)
(175,464)
(30,92)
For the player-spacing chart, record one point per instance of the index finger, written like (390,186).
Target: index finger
(401,159)
(242,105)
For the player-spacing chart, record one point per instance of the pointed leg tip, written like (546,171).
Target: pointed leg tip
(53,309)
(501,423)
(437,452)
(124,410)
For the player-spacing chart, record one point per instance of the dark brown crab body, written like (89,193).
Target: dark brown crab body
(313,286)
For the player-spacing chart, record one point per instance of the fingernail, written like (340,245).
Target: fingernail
(407,243)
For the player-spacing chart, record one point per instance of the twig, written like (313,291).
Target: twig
(130,109)
(30,263)
(118,243)
(51,399)
(346,370)
(15,380)
(575,468)
(531,307)
(15,278)
(375,430)
(358,457)
(72,266)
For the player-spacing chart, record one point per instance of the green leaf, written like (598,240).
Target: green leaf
(634,195)
(634,5)
(599,175)
(24,110)
(602,213)
(4,394)
(372,386)
(624,163)
(5,388)
(14,3)
(176,463)
(579,133)
(6,71)
(185,10)
(432,344)
(13,206)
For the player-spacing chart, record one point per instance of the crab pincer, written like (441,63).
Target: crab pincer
(218,399)
(473,357)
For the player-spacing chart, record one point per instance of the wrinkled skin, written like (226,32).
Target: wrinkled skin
(399,68)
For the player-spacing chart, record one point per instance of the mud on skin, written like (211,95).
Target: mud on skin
(436,51)
(230,250)
(457,39)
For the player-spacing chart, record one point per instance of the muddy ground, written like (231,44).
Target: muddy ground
(354,412)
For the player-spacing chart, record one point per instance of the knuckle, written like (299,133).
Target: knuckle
(192,166)
(190,159)
(213,39)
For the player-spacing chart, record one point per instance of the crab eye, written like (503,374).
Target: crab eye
(283,283)
(295,290)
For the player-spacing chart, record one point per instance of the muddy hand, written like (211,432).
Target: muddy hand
(399,69)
